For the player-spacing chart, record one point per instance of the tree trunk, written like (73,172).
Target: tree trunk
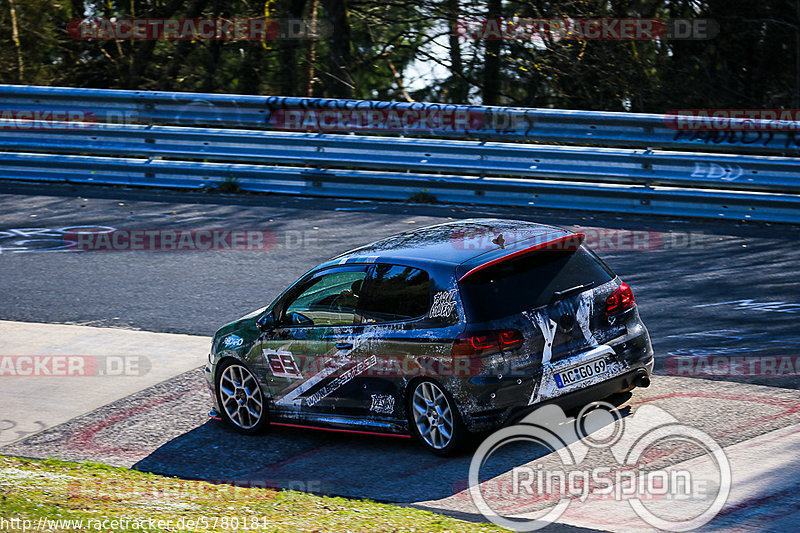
(339,82)
(458,85)
(311,53)
(491,64)
(15,38)
(144,49)
(166,82)
(287,52)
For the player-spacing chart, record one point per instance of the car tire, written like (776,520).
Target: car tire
(240,399)
(434,419)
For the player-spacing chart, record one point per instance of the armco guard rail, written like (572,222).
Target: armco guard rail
(101,139)
(598,128)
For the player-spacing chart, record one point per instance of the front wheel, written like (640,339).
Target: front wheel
(240,399)
(434,418)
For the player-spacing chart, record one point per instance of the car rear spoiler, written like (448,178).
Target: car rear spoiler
(570,242)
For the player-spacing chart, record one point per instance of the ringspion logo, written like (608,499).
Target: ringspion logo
(530,497)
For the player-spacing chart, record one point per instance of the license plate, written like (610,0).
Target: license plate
(581,372)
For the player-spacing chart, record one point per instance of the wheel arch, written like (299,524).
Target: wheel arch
(223,362)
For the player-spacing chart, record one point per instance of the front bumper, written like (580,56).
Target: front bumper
(209,375)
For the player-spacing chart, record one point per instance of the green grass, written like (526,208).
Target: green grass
(422,197)
(229,186)
(57,490)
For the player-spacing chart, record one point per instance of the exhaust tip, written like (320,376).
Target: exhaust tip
(642,379)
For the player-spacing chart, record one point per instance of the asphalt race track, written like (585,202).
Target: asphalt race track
(713,292)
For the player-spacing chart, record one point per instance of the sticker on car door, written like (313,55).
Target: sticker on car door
(282,364)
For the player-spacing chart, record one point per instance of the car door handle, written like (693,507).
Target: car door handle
(344,345)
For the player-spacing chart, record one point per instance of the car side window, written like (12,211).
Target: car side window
(329,299)
(395,292)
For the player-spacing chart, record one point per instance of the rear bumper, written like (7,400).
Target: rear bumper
(490,420)
(593,393)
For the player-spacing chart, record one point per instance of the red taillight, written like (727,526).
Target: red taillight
(510,339)
(486,342)
(482,342)
(620,300)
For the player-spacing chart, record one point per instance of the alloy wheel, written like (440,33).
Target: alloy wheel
(240,396)
(433,415)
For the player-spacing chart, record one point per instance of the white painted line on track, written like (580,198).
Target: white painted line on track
(51,373)
(764,482)
(761,467)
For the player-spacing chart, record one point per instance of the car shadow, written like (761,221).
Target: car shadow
(380,468)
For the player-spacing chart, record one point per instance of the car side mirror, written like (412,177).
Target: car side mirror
(266,322)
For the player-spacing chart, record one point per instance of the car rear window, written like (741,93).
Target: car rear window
(394,292)
(528,282)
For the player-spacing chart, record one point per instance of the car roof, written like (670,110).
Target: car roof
(452,243)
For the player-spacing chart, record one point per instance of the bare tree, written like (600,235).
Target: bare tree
(339,80)
(491,66)
(15,37)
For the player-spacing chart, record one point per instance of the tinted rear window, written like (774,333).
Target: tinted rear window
(395,292)
(529,282)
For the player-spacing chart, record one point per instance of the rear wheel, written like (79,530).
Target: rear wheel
(434,418)
(240,399)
